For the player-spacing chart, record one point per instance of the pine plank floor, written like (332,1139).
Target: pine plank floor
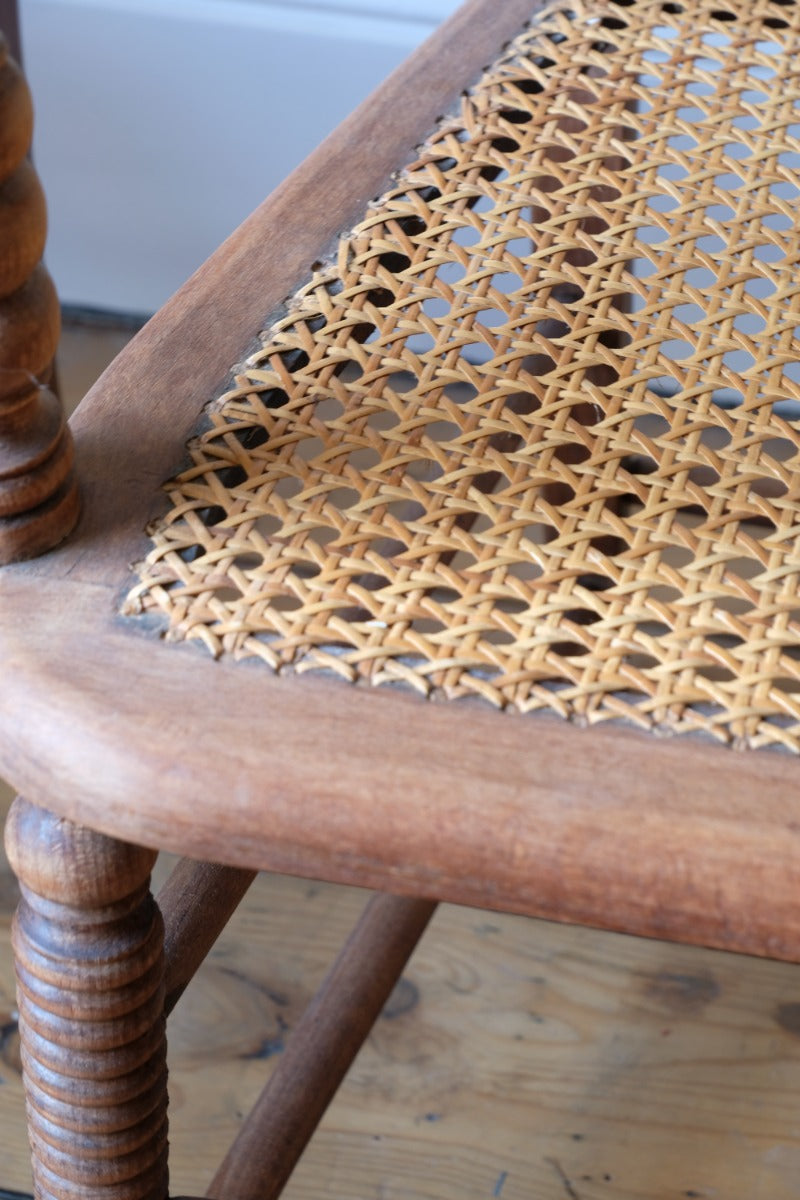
(516,1060)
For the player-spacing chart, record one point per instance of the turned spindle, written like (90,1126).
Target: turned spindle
(89,955)
(38,493)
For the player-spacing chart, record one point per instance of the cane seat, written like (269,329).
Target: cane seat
(482,448)
(530,431)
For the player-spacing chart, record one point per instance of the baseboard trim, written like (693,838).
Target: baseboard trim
(331,20)
(101,318)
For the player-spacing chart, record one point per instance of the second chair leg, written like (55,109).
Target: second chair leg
(88,945)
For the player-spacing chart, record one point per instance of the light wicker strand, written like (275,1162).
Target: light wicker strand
(534,434)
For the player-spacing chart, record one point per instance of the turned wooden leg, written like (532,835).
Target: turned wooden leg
(38,493)
(88,945)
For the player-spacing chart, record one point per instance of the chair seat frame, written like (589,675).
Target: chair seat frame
(134,741)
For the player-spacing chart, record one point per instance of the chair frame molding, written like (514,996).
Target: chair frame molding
(541,818)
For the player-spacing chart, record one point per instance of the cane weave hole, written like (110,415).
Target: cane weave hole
(534,435)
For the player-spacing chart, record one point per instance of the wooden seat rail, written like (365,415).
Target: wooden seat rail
(197,902)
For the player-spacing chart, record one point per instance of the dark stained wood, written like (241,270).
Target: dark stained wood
(9,26)
(88,949)
(38,493)
(321,1049)
(669,838)
(152,395)
(677,1067)
(197,901)
(162,747)
(603,825)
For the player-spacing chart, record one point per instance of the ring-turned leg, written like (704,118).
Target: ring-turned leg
(88,945)
(39,501)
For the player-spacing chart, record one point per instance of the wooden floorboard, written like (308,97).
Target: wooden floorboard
(516,1060)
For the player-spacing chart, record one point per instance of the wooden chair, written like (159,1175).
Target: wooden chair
(478,578)
(38,494)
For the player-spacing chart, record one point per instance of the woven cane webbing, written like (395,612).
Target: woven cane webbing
(534,435)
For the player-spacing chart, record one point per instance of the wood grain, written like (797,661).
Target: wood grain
(670,838)
(196,903)
(153,394)
(89,961)
(321,1050)
(674,839)
(38,491)
(510,1047)
(608,827)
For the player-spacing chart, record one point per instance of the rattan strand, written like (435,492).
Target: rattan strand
(534,436)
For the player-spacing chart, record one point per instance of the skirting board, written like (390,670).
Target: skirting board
(162,123)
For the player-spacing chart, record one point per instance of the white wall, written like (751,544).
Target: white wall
(160,124)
